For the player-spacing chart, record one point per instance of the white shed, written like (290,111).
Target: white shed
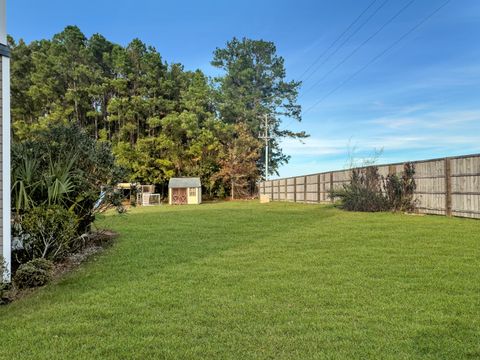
(184,191)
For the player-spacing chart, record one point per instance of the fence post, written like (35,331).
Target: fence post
(318,188)
(304,189)
(271,189)
(331,187)
(286,191)
(448,188)
(392,170)
(278,187)
(294,189)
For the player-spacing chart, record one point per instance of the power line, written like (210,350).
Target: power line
(345,59)
(345,41)
(340,46)
(379,55)
(337,39)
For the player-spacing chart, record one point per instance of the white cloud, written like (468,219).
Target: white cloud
(394,123)
(323,147)
(439,120)
(314,146)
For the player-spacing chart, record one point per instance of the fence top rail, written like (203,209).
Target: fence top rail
(379,165)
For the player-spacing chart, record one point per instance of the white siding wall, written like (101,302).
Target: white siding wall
(194,199)
(2,247)
(5,143)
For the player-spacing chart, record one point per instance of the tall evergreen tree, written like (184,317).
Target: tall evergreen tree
(253,86)
(159,119)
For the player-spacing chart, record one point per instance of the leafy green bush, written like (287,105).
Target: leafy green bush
(3,285)
(364,193)
(46,232)
(400,189)
(61,165)
(36,272)
(3,269)
(368,191)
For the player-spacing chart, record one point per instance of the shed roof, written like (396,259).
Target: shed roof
(185,182)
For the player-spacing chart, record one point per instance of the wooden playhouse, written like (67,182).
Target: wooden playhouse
(184,191)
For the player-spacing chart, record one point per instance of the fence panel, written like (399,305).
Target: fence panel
(446,186)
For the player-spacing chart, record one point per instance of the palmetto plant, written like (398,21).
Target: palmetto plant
(25,183)
(61,166)
(58,181)
(33,186)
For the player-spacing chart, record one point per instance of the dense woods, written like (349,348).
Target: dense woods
(160,119)
(88,114)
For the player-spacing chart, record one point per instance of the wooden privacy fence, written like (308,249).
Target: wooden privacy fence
(447,186)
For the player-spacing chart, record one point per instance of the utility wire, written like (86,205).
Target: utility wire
(346,58)
(345,41)
(336,40)
(340,46)
(379,55)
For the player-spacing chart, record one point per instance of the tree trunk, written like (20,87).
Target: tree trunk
(96,127)
(75,101)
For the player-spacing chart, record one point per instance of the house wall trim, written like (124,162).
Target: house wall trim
(6,164)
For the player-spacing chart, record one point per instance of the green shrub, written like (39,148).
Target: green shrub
(3,284)
(369,192)
(62,165)
(47,232)
(34,273)
(4,298)
(3,269)
(364,193)
(361,199)
(400,190)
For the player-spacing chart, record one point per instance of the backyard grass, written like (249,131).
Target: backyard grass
(243,280)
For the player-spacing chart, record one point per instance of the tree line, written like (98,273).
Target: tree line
(159,119)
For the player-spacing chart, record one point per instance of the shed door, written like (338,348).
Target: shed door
(179,196)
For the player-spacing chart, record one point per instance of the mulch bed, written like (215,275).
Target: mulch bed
(94,244)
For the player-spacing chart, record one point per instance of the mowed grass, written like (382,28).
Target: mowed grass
(249,281)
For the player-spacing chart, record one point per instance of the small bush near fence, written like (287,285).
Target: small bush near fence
(399,190)
(364,193)
(370,192)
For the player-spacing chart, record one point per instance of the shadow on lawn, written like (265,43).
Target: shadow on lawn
(186,234)
(154,242)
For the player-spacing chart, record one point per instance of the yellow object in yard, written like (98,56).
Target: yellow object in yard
(264,199)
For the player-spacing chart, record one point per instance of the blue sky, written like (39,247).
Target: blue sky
(420,100)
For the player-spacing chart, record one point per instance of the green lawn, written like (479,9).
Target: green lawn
(250,281)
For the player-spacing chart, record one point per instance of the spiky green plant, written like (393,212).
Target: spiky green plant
(58,181)
(25,183)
